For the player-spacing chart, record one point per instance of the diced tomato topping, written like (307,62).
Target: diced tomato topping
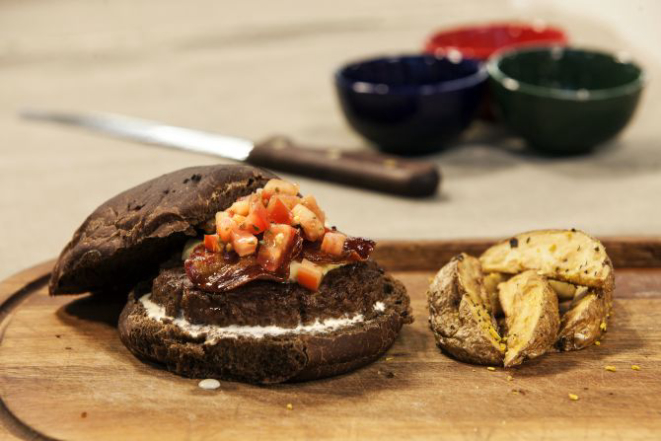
(241,206)
(277,240)
(278,186)
(238,220)
(311,203)
(333,243)
(212,242)
(243,242)
(224,226)
(309,275)
(311,224)
(278,211)
(268,229)
(289,200)
(258,219)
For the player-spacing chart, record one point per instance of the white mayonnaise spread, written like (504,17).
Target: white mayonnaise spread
(213,332)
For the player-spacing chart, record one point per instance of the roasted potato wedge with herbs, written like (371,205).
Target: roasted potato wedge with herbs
(577,267)
(459,315)
(528,278)
(530,306)
(566,291)
(566,255)
(585,321)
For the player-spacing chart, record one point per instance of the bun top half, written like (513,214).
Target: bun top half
(126,238)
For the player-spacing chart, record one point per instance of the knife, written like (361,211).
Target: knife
(379,172)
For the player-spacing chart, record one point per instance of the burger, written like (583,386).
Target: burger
(230,272)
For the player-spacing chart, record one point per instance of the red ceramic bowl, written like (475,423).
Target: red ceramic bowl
(481,41)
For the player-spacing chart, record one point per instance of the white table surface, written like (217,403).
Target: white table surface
(254,69)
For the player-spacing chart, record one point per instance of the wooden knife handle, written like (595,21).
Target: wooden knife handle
(384,173)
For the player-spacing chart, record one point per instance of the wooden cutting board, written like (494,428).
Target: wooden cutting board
(64,374)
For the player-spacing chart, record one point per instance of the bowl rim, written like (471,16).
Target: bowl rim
(379,88)
(484,52)
(496,74)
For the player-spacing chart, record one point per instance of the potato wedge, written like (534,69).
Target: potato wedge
(566,255)
(458,314)
(491,282)
(531,310)
(566,291)
(585,321)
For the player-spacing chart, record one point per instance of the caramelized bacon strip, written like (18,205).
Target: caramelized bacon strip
(356,249)
(224,271)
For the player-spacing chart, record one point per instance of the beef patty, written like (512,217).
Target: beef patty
(345,291)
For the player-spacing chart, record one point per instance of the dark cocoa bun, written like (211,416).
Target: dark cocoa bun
(273,359)
(127,237)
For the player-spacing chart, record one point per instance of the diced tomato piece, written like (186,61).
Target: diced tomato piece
(309,275)
(278,186)
(277,240)
(224,226)
(258,219)
(289,200)
(311,203)
(278,211)
(243,242)
(311,224)
(241,206)
(255,224)
(212,242)
(333,243)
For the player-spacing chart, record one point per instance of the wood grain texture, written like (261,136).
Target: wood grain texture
(625,252)
(64,374)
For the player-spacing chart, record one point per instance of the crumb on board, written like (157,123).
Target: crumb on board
(290,406)
(83,415)
(209,384)
(491,368)
(610,368)
(390,358)
(635,367)
(510,378)
(597,343)
(573,397)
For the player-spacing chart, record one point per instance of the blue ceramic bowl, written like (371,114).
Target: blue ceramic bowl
(411,105)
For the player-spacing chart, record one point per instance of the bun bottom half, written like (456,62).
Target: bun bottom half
(266,359)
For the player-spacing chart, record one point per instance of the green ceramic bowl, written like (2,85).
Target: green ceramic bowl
(563,100)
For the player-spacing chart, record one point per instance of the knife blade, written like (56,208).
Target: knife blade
(372,171)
